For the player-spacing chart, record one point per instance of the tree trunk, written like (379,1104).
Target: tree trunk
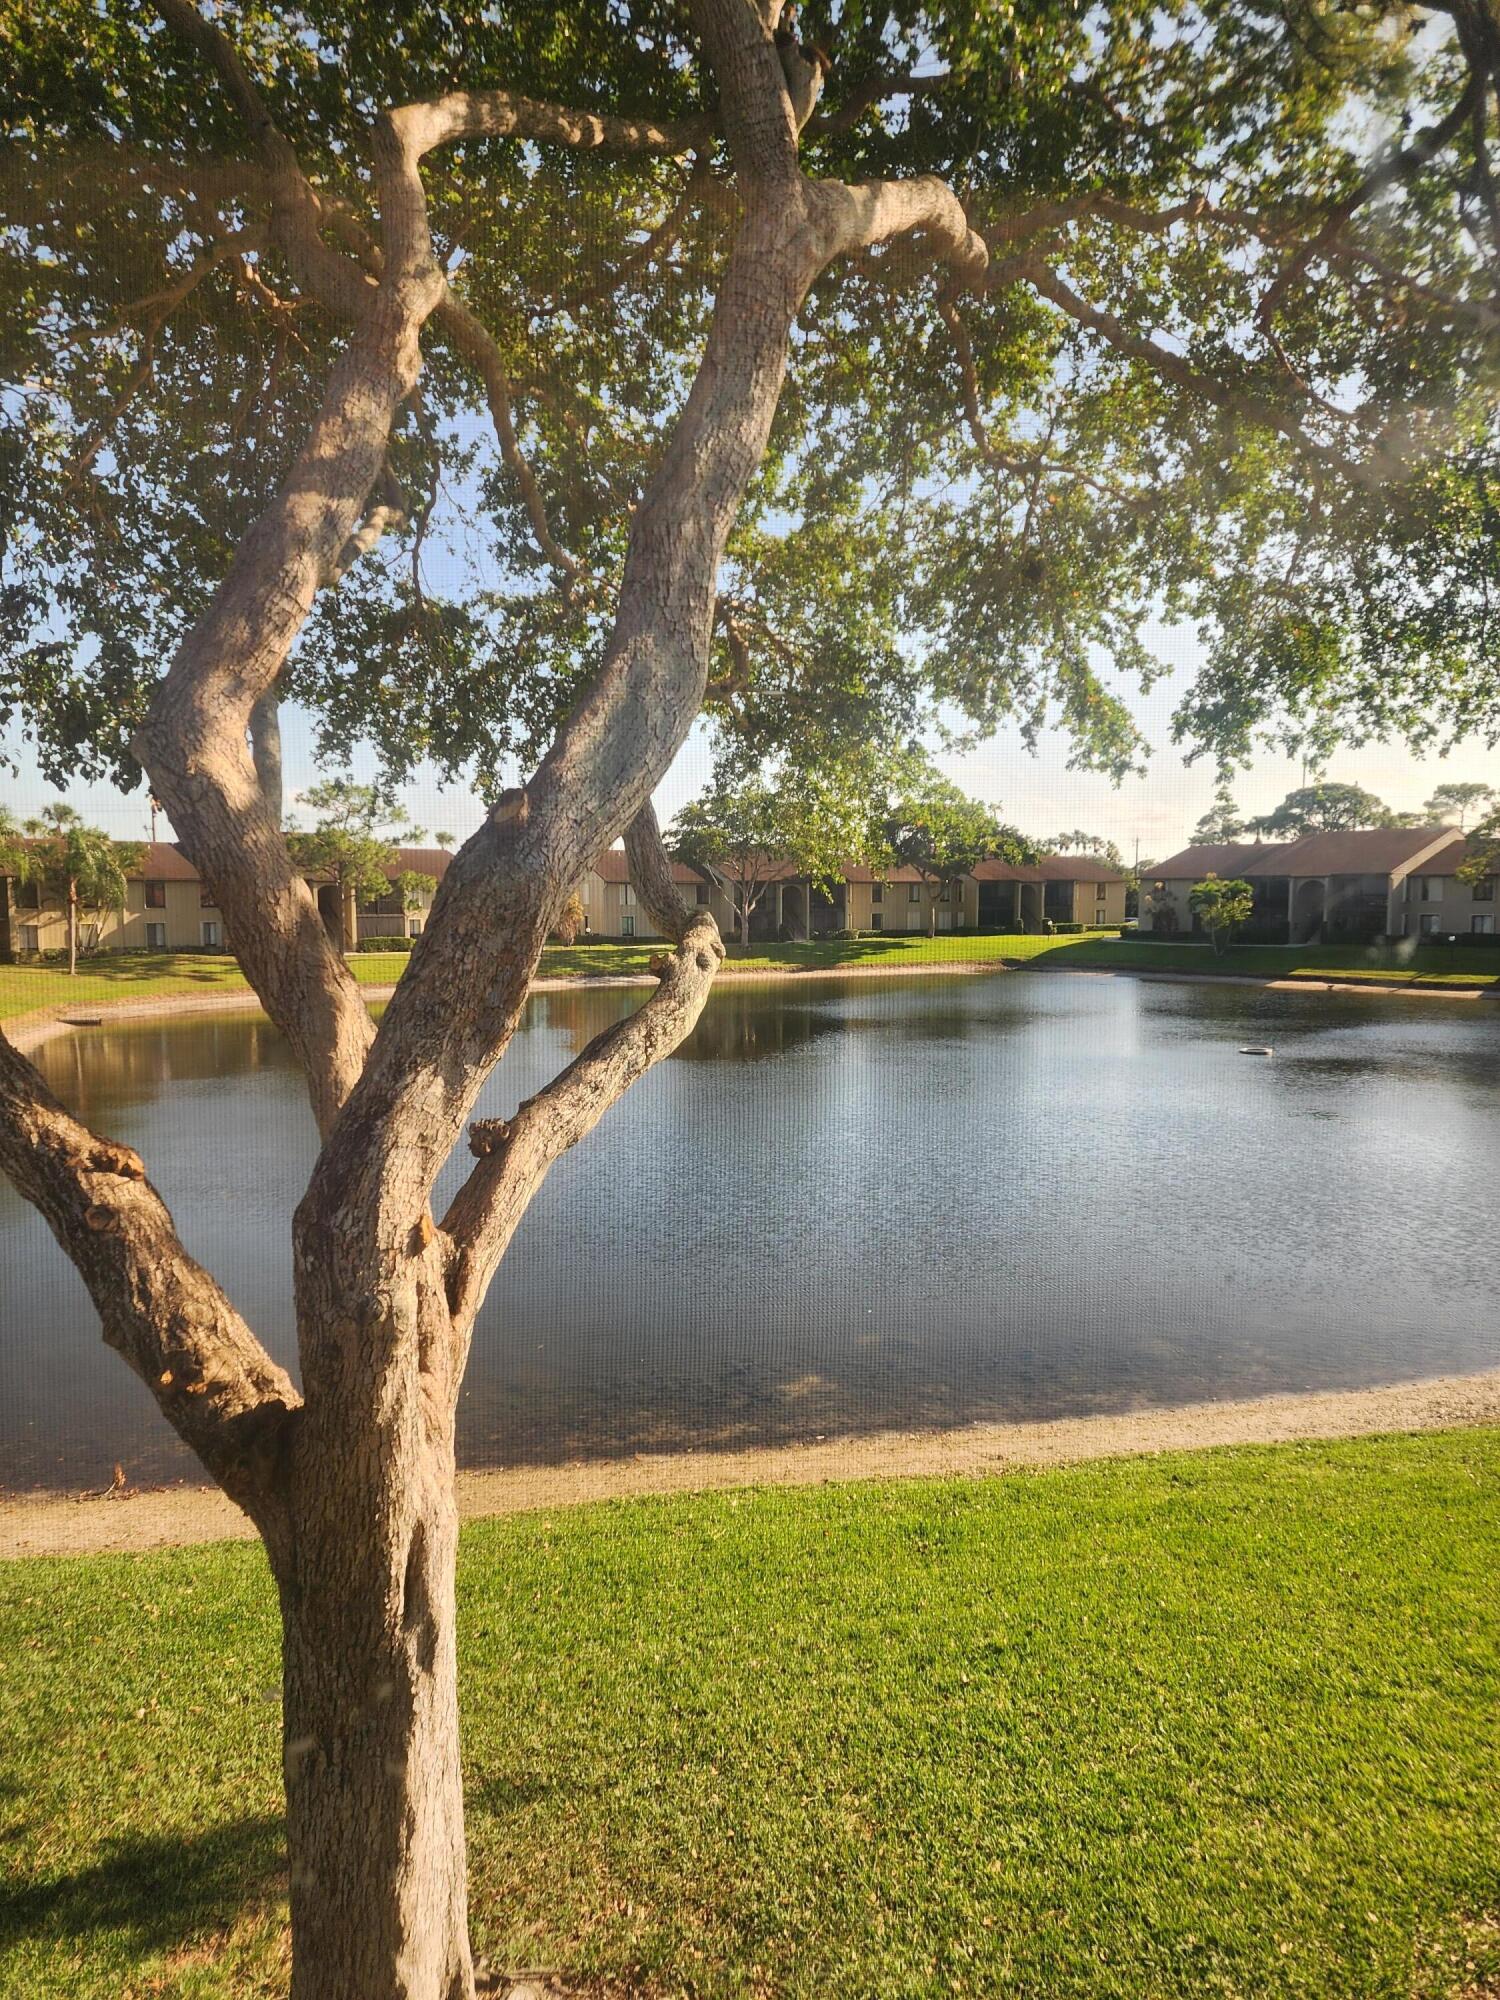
(72,928)
(348,916)
(265,751)
(932,902)
(744,918)
(374,1792)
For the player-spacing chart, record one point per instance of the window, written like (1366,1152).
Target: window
(30,938)
(1482,926)
(947,895)
(913,892)
(1429,888)
(156,896)
(1483,890)
(414,927)
(28,895)
(206,897)
(212,936)
(156,937)
(1101,917)
(627,894)
(877,918)
(627,925)
(702,894)
(877,894)
(1427,924)
(1101,891)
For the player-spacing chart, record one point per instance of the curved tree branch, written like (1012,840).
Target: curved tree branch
(514,1154)
(210,1376)
(650,869)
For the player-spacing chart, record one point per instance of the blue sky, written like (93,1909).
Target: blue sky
(1037,792)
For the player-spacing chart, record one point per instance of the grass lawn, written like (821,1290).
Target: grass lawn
(139,975)
(1214,1724)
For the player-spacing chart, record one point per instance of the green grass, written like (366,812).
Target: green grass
(125,976)
(1214,1724)
(139,975)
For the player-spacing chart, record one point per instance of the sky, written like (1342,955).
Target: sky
(1037,792)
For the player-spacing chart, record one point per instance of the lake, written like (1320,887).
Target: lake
(851,1204)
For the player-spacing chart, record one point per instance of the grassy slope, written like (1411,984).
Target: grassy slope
(1222,1724)
(24,988)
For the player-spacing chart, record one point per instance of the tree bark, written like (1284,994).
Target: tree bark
(265,752)
(374,1790)
(72,928)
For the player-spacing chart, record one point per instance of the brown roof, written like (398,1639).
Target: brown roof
(1223,858)
(856,871)
(431,861)
(164,861)
(1050,868)
(1448,860)
(1367,850)
(610,867)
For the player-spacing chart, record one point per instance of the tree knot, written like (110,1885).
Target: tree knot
(512,808)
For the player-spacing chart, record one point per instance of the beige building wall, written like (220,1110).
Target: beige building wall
(176,923)
(1443,906)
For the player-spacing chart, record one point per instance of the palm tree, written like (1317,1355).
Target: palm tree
(84,866)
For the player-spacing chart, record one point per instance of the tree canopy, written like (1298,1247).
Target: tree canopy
(1222,821)
(1223,907)
(1223,347)
(942,833)
(1456,800)
(1322,808)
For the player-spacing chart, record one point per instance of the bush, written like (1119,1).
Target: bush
(570,923)
(1067,930)
(385,944)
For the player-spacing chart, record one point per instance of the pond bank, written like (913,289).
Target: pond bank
(53,1524)
(30,1031)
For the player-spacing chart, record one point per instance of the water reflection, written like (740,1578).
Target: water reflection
(852,1204)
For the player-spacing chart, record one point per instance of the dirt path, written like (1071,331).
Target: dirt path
(60,1524)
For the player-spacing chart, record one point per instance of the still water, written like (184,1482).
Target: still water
(852,1204)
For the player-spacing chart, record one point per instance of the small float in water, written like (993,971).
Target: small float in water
(1250,1051)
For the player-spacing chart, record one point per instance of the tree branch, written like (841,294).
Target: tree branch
(474,340)
(210,1376)
(651,876)
(1176,368)
(515,1154)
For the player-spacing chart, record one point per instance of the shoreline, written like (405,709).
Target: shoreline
(29,1031)
(59,1523)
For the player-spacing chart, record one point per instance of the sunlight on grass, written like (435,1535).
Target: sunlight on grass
(1219,1723)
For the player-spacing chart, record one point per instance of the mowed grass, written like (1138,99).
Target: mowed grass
(25,989)
(1212,1724)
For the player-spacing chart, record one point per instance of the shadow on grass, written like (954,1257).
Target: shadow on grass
(153,1892)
